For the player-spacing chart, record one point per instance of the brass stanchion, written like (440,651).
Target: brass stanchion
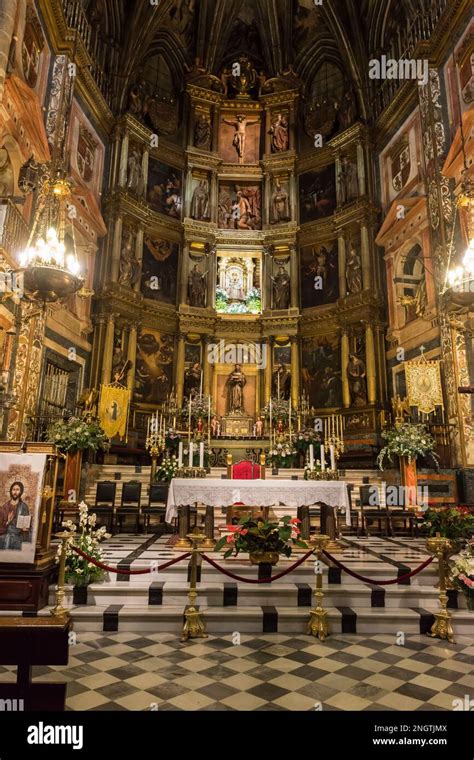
(194,627)
(318,622)
(209,542)
(58,608)
(183,522)
(442,628)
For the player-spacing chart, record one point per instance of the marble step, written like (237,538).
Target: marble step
(287,595)
(233,620)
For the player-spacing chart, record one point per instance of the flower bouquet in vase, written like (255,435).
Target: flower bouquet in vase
(79,570)
(462,573)
(263,540)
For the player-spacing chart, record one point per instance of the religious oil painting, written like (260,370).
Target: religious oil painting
(321,371)
(21,485)
(164,189)
(317,194)
(319,274)
(153,381)
(159,269)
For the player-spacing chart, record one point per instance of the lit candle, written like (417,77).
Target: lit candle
(289,416)
(333,459)
(311,456)
(189,421)
(278,384)
(191,447)
(200,389)
(201,455)
(209,423)
(180,454)
(148,428)
(271,418)
(323,459)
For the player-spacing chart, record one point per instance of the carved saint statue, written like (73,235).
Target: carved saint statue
(200,202)
(192,380)
(281,289)
(235,390)
(280,207)
(129,267)
(6,173)
(135,174)
(356,375)
(197,287)
(117,361)
(353,270)
(281,383)
(240,124)
(348,185)
(203,133)
(279,133)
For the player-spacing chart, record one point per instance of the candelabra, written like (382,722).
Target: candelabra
(155,441)
(334,437)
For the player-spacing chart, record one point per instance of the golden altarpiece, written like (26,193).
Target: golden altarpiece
(250,242)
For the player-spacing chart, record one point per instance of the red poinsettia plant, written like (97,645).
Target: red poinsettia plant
(255,534)
(456,523)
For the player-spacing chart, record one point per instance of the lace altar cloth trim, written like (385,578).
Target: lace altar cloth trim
(255,493)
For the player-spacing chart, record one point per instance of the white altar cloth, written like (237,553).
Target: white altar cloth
(217,492)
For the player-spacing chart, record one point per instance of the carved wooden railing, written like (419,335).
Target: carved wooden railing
(13,229)
(76,19)
(404,46)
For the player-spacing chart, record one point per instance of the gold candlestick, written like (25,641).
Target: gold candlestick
(58,608)
(442,628)
(194,627)
(318,622)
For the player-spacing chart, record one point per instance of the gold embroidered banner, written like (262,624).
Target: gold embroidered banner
(424,389)
(113,410)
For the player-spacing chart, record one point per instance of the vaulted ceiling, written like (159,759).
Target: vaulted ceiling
(275,34)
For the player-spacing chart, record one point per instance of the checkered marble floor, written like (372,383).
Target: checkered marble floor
(125,671)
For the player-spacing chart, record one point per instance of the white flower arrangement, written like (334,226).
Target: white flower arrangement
(80,571)
(407,440)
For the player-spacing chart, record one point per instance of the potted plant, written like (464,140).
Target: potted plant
(167,470)
(263,540)
(454,523)
(407,441)
(462,573)
(79,571)
(72,436)
(282,455)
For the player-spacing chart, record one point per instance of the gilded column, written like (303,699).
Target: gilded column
(132,357)
(139,256)
(341,243)
(268,370)
(123,161)
(108,350)
(99,338)
(365,257)
(295,371)
(361,169)
(183,288)
(370,362)
(145,162)
(206,366)
(116,249)
(294,277)
(180,370)
(346,395)
(338,184)
(211,276)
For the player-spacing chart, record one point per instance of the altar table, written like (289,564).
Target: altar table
(215,492)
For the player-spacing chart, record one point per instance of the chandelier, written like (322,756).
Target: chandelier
(459,285)
(50,272)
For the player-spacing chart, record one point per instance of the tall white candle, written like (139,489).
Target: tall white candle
(201,455)
(333,458)
(289,416)
(271,418)
(311,456)
(323,459)
(200,389)
(180,454)
(191,447)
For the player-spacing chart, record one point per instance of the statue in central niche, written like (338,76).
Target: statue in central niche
(240,124)
(235,390)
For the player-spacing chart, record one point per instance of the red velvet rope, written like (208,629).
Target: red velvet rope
(257,580)
(124,571)
(379,583)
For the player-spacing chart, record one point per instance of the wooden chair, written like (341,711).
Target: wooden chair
(105,502)
(403,515)
(341,517)
(157,497)
(244,470)
(130,503)
(371,510)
